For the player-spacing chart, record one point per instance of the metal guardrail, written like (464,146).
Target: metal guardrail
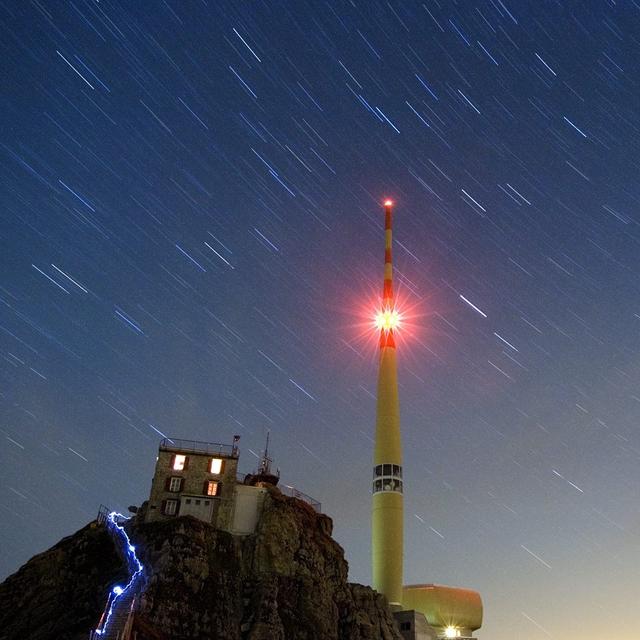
(290,491)
(195,446)
(294,493)
(103,513)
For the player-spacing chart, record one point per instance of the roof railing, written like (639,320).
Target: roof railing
(195,446)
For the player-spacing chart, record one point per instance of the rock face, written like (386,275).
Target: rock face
(61,592)
(288,581)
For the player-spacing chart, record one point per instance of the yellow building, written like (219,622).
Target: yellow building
(452,612)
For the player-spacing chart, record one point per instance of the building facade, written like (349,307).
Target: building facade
(196,479)
(201,480)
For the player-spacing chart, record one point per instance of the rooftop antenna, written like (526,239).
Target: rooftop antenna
(265,461)
(264,475)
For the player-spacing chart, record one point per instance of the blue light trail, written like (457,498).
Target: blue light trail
(118,591)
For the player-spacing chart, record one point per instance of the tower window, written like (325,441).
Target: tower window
(175,484)
(179,462)
(387,477)
(216,466)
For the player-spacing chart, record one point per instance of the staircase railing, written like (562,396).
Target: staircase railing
(128,625)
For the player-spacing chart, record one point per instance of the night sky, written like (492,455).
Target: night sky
(191,244)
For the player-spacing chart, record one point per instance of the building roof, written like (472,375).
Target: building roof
(199,448)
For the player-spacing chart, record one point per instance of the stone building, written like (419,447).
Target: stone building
(201,479)
(195,479)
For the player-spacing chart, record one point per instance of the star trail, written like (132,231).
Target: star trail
(191,245)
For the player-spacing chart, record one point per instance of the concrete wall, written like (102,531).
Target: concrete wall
(414,626)
(248,504)
(194,476)
(200,507)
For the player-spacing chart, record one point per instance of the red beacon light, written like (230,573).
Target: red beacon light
(388,319)
(388,203)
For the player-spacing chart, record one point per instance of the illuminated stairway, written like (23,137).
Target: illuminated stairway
(117,620)
(121,620)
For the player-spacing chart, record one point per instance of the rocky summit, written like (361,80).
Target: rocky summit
(287,581)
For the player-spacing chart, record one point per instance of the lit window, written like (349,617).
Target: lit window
(216,465)
(212,488)
(451,632)
(170,507)
(175,484)
(179,462)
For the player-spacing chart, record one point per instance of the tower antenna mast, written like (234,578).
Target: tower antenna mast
(387,509)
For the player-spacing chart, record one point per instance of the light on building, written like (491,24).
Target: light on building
(451,632)
(178,463)
(216,465)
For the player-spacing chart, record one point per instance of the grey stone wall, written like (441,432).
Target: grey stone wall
(194,475)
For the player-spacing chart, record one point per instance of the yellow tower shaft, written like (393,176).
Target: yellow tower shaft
(387,502)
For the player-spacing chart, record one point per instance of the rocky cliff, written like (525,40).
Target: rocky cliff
(288,581)
(61,592)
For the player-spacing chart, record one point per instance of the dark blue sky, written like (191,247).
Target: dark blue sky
(191,243)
